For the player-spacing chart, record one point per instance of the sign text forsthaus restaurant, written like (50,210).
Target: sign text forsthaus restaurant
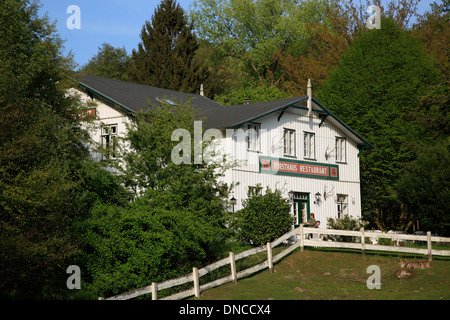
(298,168)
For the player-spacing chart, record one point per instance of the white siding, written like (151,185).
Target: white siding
(272,145)
(247,174)
(105,115)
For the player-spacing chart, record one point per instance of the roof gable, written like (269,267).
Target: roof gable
(133,98)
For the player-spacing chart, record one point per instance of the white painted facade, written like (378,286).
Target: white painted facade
(272,144)
(301,190)
(106,116)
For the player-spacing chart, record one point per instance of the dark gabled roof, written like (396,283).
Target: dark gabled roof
(133,98)
(237,115)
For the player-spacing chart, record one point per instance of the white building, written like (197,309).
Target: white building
(294,145)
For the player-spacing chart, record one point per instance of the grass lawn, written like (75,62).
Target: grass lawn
(321,274)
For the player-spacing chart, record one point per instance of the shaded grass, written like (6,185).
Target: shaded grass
(320,274)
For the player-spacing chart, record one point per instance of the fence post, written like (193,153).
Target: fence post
(363,243)
(233,268)
(429,245)
(301,238)
(269,257)
(154,291)
(196,284)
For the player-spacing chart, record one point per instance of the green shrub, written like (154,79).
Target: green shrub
(385,242)
(263,219)
(346,223)
(131,247)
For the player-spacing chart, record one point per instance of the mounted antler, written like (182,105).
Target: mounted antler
(327,154)
(276,145)
(327,194)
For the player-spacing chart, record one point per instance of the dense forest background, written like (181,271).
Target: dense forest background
(389,84)
(59,208)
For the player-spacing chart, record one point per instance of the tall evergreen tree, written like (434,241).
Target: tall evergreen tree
(165,57)
(376,89)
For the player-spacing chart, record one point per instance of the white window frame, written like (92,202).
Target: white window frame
(342,207)
(289,142)
(108,140)
(309,145)
(341,150)
(254,137)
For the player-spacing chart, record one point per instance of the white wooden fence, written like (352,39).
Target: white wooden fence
(299,236)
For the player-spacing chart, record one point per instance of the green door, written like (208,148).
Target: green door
(301,209)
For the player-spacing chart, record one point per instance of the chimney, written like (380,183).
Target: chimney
(202,93)
(309,93)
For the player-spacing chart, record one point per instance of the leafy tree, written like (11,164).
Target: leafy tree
(327,40)
(432,112)
(254,31)
(255,94)
(376,90)
(432,29)
(352,15)
(109,62)
(42,155)
(165,57)
(264,218)
(176,220)
(285,43)
(321,57)
(224,72)
(425,189)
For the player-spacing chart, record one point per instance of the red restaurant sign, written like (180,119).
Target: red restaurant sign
(299,168)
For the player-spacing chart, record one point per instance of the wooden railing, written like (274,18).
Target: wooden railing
(299,236)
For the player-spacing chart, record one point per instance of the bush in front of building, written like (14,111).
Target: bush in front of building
(130,247)
(264,218)
(175,220)
(346,223)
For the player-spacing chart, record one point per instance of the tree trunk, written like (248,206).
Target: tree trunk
(379,219)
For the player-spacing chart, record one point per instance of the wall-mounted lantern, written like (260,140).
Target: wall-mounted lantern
(318,195)
(233,202)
